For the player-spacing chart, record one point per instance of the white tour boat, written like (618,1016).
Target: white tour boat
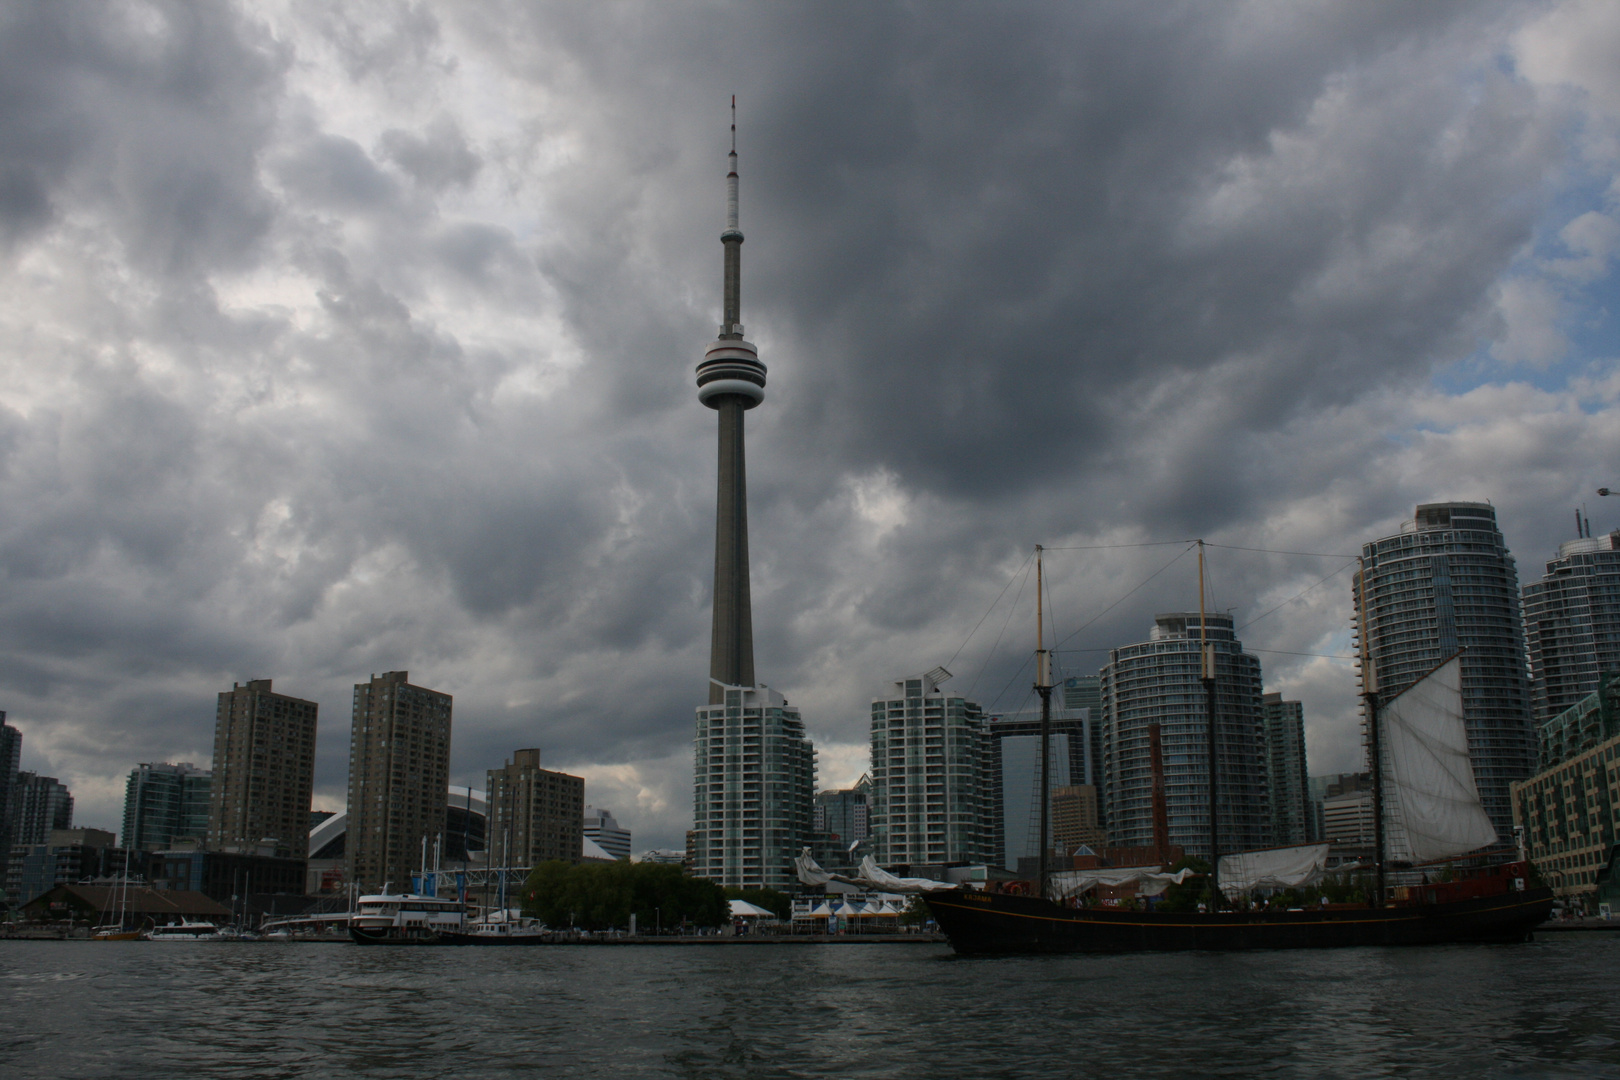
(405,919)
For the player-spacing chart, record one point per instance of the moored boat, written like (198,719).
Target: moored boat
(500,932)
(405,919)
(185,930)
(1497,906)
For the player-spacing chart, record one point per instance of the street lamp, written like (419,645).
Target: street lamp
(1604,491)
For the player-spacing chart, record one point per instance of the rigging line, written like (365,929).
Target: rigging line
(1128,595)
(1296,596)
(1209,576)
(987,611)
(1015,675)
(1286,652)
(1276,551)
(1022,581)
(1111,547)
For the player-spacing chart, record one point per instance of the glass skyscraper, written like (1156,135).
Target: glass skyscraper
(1446,583)
(1572,623)
(1157,682)
(754,789)
(1286,773)
(164,803)
(931,799)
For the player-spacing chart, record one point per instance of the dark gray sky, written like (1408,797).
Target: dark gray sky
(350,338)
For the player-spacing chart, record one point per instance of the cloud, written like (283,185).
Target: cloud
(361,339)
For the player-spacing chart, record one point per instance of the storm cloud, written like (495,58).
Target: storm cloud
(343,340)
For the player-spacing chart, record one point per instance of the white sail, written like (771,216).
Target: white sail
(810,872)
(878,878)
(1431,803)
(1273,868)
(1149,880)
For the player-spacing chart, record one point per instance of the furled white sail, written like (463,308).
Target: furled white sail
(878,878)
(1431,803)
(871,876)
(810,872)
(1273,868)
(1149,880)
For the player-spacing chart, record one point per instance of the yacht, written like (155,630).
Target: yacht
(185,930)
(405,919)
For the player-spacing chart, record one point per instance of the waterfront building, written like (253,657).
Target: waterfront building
(164,803)
(223,875)
(65,855)
(1447,583)
(39,804)
(1572,623)
(1015,775)
(1157,682)
(1082,697)
(1570,808)
(1322,788)
(663,856)
(10,759)
(753,767)
(1286,775)
(930,801)
(754,792)
(1347,823)
(102,905)
(1075,820)
(264,768)
(844,815)
(399,768)
(606,833)
(535,814)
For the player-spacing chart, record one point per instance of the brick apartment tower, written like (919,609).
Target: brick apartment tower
(264,769)
(535,814)
(399,777)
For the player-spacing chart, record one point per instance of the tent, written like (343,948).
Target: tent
(742,909)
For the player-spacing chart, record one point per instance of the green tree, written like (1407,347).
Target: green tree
(602,896)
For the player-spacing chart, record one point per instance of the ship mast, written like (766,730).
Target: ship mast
(1043,687)
(1206,675)
(1369,698)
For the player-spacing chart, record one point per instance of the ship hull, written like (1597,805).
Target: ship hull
(389,935)
(997,923)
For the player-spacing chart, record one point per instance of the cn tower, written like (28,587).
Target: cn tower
(731,380)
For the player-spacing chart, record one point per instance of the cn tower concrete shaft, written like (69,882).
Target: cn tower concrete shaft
(731,650)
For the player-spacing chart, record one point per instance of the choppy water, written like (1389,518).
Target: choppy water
(90,1010)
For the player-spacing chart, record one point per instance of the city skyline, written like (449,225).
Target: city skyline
(367,345)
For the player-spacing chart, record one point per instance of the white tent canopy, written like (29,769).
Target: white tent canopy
(742,909)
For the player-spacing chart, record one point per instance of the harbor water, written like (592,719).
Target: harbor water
(93,1009)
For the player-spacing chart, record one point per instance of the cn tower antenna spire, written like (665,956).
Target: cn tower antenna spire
(731,380)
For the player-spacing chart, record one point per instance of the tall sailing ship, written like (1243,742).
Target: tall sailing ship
(1426,809)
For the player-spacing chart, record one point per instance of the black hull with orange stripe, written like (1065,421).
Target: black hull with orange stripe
(983,923)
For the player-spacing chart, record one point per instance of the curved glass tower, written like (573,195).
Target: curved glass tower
(1446,583)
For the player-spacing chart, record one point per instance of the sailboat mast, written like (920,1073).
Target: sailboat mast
(1043,687)
(1369,698)
(1206,675)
